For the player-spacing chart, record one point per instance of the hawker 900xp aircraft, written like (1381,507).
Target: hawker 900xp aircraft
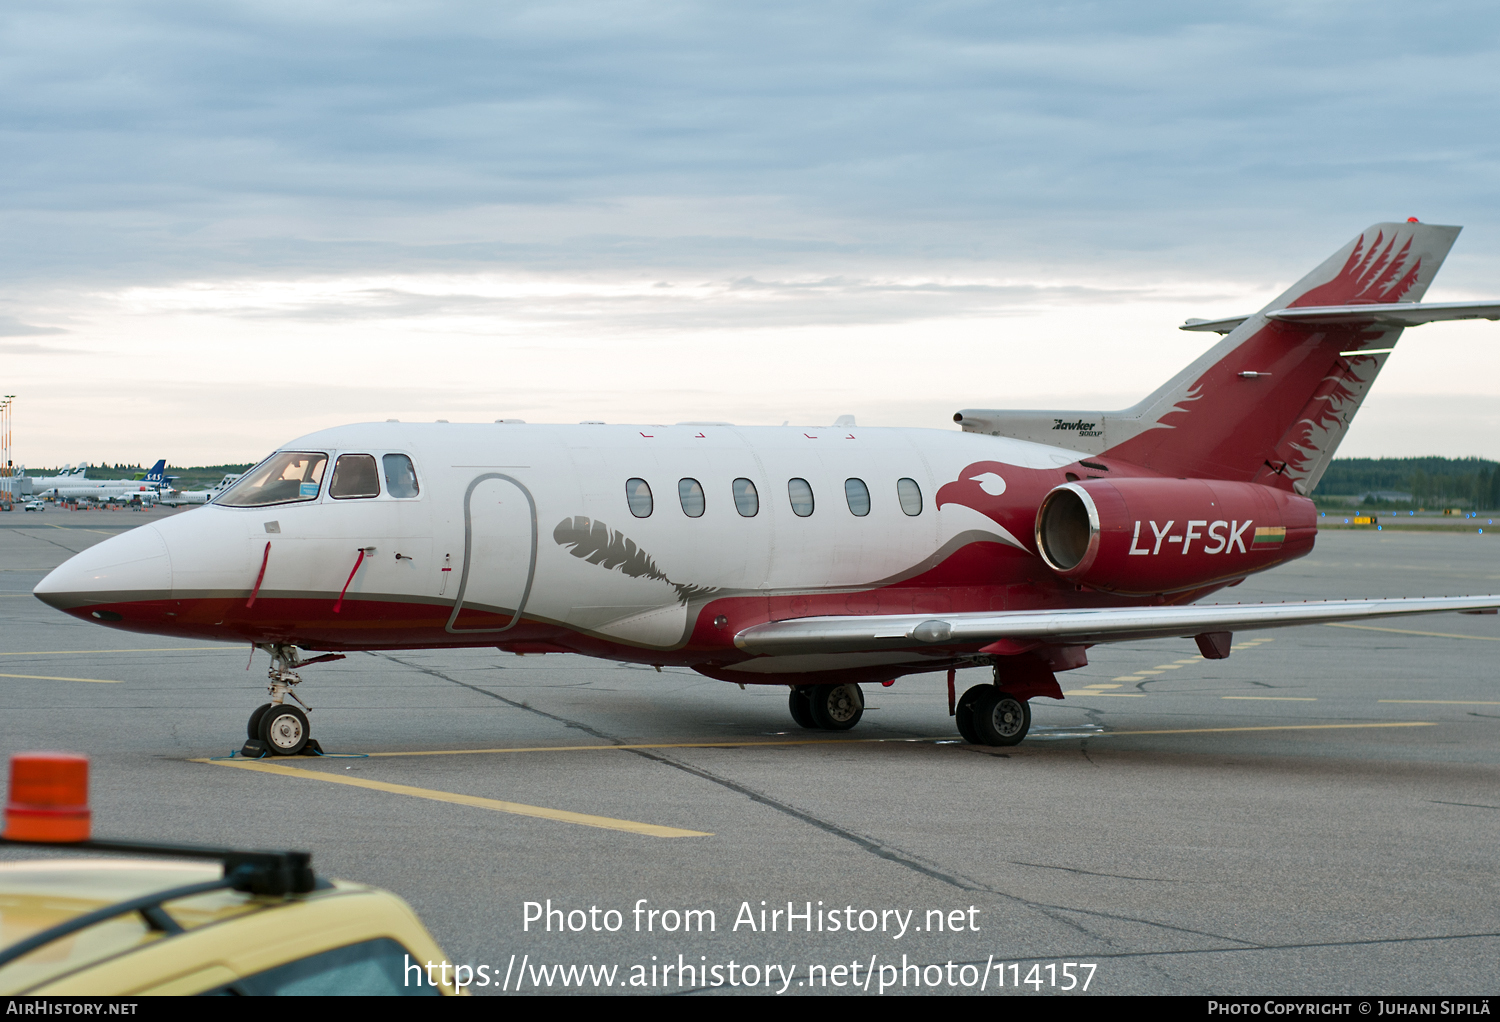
(816,558)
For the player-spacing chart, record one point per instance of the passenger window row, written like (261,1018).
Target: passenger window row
(747,500)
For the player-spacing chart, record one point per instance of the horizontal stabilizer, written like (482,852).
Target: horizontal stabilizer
(1073,627)
(1395,314)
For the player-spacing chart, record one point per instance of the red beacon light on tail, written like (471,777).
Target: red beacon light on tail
(49,797)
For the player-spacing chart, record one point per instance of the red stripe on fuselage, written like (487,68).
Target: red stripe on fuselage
(393,623)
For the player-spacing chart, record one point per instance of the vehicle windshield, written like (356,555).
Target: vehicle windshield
(283,478)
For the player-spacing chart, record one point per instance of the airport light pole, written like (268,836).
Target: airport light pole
(7,473)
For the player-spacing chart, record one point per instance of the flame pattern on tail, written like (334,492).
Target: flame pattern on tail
(1271,402)
(1370,275)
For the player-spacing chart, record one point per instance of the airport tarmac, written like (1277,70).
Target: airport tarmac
(1318,814)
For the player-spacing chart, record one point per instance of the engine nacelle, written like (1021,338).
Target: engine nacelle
(1147,536)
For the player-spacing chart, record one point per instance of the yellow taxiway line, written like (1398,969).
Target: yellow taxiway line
(1412,631)
(164,649)
(1269,727)
(1278,699)
(663,745)
(826,741)
(474,801)
(79,528)
(1441,702)
(43,677)
(651,829)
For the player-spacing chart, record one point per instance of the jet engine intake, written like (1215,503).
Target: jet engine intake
(1148,536)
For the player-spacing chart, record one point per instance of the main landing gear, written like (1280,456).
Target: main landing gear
(827,707)
(986,715)
(278,728)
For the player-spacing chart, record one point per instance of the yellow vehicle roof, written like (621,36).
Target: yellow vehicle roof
(228,934)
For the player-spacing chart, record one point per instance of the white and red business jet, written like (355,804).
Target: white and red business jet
(813,558)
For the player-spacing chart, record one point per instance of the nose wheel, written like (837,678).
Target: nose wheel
(278,728)
(284,730)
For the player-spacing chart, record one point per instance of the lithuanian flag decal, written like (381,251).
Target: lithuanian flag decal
(1267,535)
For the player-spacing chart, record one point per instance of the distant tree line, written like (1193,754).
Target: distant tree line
(1432,482)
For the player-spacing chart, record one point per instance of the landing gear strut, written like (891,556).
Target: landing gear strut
(278,728)
(827,707)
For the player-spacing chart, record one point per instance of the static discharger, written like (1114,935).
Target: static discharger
(49,797)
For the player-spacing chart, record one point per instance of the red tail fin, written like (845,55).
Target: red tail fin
(1273,399)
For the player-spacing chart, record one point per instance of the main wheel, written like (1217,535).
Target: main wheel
(999,718)
(836,707)
(284,729)
(801,706)
(252,730)
(963,712)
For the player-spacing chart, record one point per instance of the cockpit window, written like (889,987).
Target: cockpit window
(283,478)
(400,477)
(354,476)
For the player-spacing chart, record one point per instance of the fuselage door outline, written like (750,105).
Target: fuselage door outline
(463,581)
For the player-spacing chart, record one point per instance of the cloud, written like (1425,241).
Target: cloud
(497,303)
(889,209)
(153,138)
(12,327)
(24,348)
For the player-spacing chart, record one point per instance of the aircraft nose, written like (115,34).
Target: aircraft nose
(123,569)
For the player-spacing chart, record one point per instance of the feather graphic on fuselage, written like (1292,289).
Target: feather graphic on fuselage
(591,540)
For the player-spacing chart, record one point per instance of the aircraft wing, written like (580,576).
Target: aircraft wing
(1076,627)
(1385,314)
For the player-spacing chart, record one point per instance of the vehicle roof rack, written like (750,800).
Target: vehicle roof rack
(270,874)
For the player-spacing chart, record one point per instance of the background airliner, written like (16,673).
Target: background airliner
(816,558)
(75,484)
(177,498)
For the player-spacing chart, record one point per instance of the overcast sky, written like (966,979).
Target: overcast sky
(227,224)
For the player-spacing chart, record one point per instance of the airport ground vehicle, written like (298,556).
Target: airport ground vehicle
(814,558)
(172,919)
(35,505)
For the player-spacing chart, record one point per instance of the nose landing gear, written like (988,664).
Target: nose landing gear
(277,728)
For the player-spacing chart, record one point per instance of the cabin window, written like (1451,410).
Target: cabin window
(801,495)
(858,496)
(354,475)
(911,496)
(400,477)
(746,500)
(283,478)
(690,493)
(638,496)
